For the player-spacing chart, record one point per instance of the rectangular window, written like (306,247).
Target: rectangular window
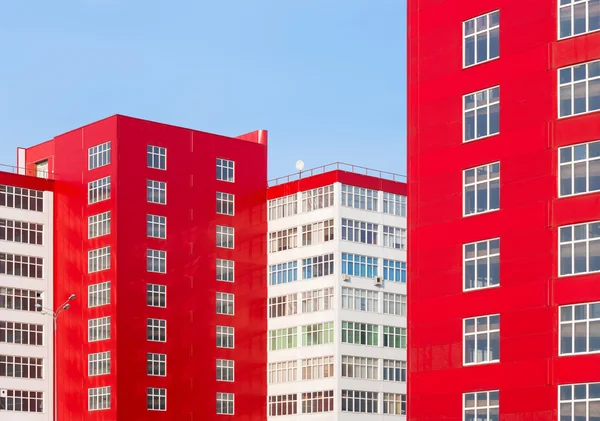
(317,368)
(580,329)
(317,402)
(18,198)
(360,333)
(317,232)
(99,259)
(394,304)
(156,364)
(157,157)
(21,367)
(283,240)
(283,305)
(394,337)
(286,338)
(99,155)
(99,329)
(481,38)
(156,330)
(225,170)
(579,89)
(225,303)
(481,186)
(482,339)
(225,270)
(99,398)
(225,203)
(282,372)
(99,364)
(481,264)
(315,267)
(157,192)
(579,248)
(394,237)
(283,273)
(360,299)
(99,294)
(21,333)
(394,204)
(156,295)
(357,265)
(394,404)
(394,371)
(579,402)
(225,370)
(359,401)
(317,334)
(481,114)
(579,168)
(156,261)
(318,198)
(485,406)
(359,198)
(317,300)
(99,225)
(225,237)
(21,232)
(283,207)
(359,231)
(225,336)
(360,367)
(99,190)
(22,401)
(20,299)
(157,399)
(283,405)
(578,17)
(18,265)
(156,226)
(225,403)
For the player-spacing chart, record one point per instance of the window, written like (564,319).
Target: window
(394,371)
(580,328)
(283,207)
(99,155)
(224,303)
(359,232)
(99,225)
(224,237)
(360,333)
(286,338)
(225,337)
(579,88)
(317,300)
(394,337)
(282,372)
(318,198)
(283,273)
(157,364)
(360,367)
(21,367)
(357,265)
(99,364)
(359,401)
(99,294)
(481,39)
(18,198)
(99,259)
(394,204)
(579,402)
(157,399)
(157,157)
(21,333)
(317,266)
(20,299)
(225,203)
(481,113)
(225,403)
(156,226)
(156,295)
(316,402)
(283,305)
(481,189)
(578,17)
(317,334)
(360,299)
(156,330)
(359,198)
(317,232)
(156,192)
(156,261)
(225,270)
(99,190)
(394,404)
(22,401)
(579,248)
(225,170)
(394,304)
(18,265)
(21,232)
(579,168)
(484,406)
(481,264)
(482,339)
(99,329)
(99,398)
(283,240)
(317,368)
(225,370)
(394,237)
(283,405)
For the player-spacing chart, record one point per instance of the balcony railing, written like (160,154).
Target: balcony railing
(32,172)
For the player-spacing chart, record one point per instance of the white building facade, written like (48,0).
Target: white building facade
(337,298)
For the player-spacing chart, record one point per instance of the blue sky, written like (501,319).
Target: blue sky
(325,77)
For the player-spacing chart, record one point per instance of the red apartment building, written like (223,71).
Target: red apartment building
(503,170)
(160,231)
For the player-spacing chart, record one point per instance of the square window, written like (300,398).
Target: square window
(157,157)
(579,89)
(157,192)
(98,156)
(225,403)
(225,170)
(481,339)
(225,202)
(156,261)
(481,405)
(156,295)
(225,270)
(157,364)
(225,370)
(156,226)
(157,399)
(225,336)
(156,330)
(578,17)
(225,303)
(225,237)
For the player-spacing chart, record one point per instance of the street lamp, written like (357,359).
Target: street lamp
(49,312)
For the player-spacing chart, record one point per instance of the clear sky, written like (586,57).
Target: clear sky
(325,77)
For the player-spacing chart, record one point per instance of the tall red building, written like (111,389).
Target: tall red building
(160,231)
(503,170)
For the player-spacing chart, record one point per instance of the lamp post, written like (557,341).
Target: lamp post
(49,312)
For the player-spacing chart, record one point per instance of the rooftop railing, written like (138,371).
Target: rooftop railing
(31,172)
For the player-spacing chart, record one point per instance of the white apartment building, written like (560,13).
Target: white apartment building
(337,297)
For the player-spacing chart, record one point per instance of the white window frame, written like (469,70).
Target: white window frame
(99,294)
(360,265)
(570,396)
(99,364)
(99,398)
(489,98)
(360,198)
(99,259)
(394,304)
(225,303)
(99,329)
(317,402)
(156,330)
(156,364)
(283,273)
(360,231)
(20,265)
(362,368)
(573,164)
(19,198)
(319,198)
(285,338)
(317,232)
(489,169)
(156,192)
(367,399)
(476,32)
(99,155)
(488,255)
(154,401)
(571,86)
(317,334)
(154,155)
(394,204)
(225,237)
(224,168)
(394,237)
(21,333)
(394,371)
(393,337)
(225,337)
(576,243)
(572,4)
(225,370)
(318,266)
(21,232)
(282,240)
(99,225)
(20,299)
(156,261)
(225,204)
(225,403)
(283,305)
(225,270)
(356,299)
(156,226)
(318,300)
(483,412)
(283,405)
(353,328)
(99,190)
(283,372)
(283,207)
(17,367)
(154,293)
(579,326)
(317,368)
(476,332)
